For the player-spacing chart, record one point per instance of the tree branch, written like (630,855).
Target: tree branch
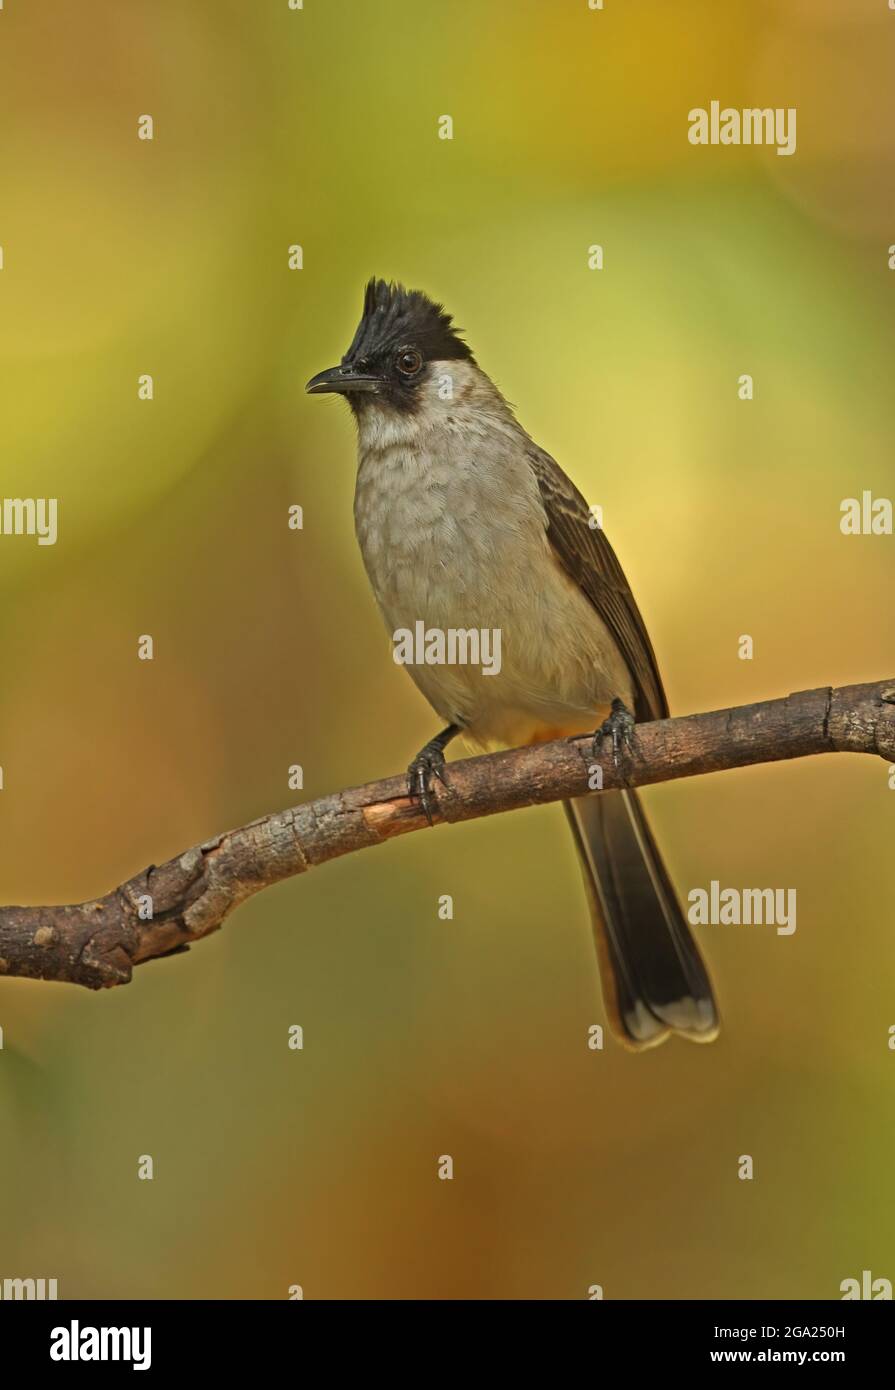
(98,943)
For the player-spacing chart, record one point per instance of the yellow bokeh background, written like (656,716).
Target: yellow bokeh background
(318,127)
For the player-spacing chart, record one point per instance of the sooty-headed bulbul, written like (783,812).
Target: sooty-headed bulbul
(465,523)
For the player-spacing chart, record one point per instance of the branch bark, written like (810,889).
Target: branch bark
(98,943)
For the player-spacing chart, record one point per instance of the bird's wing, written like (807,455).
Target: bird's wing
(585,554)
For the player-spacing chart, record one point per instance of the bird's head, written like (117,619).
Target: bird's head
(401,336)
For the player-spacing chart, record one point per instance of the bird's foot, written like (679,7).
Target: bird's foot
(428,763)
(619,726)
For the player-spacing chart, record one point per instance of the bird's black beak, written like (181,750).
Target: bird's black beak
(343,380)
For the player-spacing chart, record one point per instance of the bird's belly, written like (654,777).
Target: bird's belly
(512,662)
(457,562)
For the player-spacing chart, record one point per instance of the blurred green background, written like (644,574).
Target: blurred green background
(423,1037)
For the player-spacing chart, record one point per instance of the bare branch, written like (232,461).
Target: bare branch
(98,943)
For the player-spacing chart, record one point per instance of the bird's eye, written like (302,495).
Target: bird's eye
(409,361)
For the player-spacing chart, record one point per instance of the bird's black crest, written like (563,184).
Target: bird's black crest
(394,317)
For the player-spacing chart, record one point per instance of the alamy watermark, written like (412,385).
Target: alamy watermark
(77,1343)
(30,516)
(733,907)
(452,646)
(39,1289)
(725,125)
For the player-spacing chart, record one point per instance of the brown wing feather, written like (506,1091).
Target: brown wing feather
(586,555)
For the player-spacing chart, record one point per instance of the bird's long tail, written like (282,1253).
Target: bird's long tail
(654,979)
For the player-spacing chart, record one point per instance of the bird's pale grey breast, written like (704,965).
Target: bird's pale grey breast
(453,530)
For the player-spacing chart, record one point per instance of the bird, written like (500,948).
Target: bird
(465,523)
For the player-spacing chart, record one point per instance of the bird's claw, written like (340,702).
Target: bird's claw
(619,726)
(428,763)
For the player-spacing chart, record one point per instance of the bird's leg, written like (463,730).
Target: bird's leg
(619,726)
(429,763)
